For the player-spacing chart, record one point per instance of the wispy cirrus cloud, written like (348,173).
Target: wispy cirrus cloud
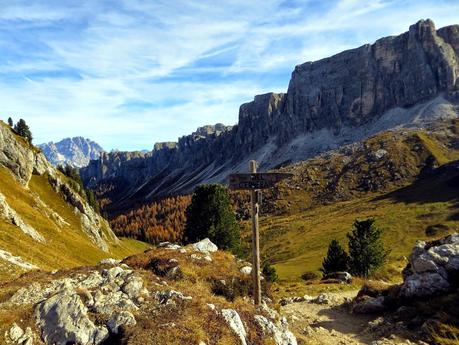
(129,73)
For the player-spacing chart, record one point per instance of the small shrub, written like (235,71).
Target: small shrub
(309,276)
(269,272)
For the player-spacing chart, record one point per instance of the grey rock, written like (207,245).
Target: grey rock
(424,285)
(168,296)
(63,319)
(370,305)
(321,299)
(121,319)
(112,301)
(234,321)
(432,267)
(247,270)
(17,335)
(133,286)
(279,332)
(205,246)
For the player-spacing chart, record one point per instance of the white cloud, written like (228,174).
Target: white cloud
(129,73)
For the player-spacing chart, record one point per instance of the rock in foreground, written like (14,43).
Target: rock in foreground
(136,301)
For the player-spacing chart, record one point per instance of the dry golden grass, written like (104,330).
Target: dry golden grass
(66,246)
(189,322)
(445,334)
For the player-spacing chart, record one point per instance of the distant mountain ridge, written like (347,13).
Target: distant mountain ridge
(404,80)
(77,151)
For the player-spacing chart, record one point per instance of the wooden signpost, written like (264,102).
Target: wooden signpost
(254,182)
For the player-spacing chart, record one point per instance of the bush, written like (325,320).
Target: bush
(366,250)
(210,215)
(309,276)
(269,272)
(336,260)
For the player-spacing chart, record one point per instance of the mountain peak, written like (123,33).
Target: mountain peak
(76,151)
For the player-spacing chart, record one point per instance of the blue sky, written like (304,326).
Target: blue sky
(130,73)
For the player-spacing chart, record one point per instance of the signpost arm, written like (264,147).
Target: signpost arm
(255,241)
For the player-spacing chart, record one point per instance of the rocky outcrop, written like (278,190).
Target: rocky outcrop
(235,323)
(433,268)
(76,151)
(124,302)
(63,319)
(408,79)
(279,332)
(24,160)
(7,213)
(16,260)
(63,307)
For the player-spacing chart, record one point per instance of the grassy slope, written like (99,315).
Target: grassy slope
(297,240)
(65,247)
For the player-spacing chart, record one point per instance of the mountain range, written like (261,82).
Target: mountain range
(77,151)
(398,81)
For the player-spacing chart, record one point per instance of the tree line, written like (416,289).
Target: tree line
(162,220)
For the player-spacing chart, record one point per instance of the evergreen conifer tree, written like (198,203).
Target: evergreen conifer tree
(10,122)
(336,260)
(210,215)
(23,130)
(366,249)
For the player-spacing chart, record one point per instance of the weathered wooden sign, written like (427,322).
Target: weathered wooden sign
(255,181)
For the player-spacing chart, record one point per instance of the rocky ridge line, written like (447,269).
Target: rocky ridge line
(402,80)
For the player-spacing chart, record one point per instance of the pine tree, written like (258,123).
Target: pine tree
(366,249)
(336,260)
(23,130)
(10,122)
(210,215)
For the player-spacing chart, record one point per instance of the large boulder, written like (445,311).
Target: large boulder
(433,268)
(63,320)
(205,246)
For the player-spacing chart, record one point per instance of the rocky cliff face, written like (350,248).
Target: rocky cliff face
(23,160)
(397,81)
(76,151)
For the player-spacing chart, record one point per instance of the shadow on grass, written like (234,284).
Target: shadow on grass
(439,185)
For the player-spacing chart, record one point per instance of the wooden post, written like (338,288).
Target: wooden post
(255,241)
